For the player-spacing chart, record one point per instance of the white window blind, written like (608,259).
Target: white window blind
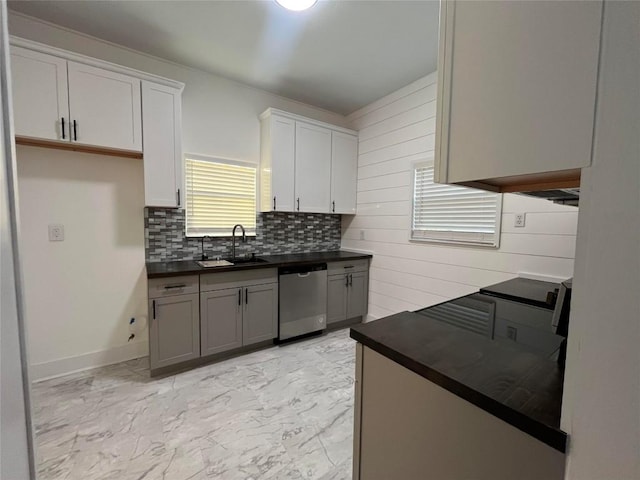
(453,214)
(220,194)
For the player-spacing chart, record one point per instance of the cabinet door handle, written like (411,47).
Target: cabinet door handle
(351,279)
(333,206)
(239,296)
(178,195)
(63,135)
(75,131)
(274,203)
(153,303)
(246,296)
(298,203)
(346,280)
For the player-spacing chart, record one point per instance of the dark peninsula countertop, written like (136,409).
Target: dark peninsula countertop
(190,267)
(507,379)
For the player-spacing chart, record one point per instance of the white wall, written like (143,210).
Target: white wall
(81,292)
(394,132)
(601,404)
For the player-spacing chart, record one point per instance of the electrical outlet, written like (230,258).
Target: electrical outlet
(56,233)
(512,333)
(519,220)
(361,234)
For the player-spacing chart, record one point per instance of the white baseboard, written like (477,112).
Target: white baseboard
(64,366)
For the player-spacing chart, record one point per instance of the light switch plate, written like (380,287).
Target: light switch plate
(56,233)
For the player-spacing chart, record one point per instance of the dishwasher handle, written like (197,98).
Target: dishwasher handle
(302,270)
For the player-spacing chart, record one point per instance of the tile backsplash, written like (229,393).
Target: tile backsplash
(276,233)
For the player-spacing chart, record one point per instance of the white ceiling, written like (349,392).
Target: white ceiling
(341,55)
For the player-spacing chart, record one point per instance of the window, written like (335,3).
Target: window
(452,214)
(220,194)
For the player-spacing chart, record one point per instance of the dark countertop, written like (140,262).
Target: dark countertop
(190,267)
(525,290)
(497,375)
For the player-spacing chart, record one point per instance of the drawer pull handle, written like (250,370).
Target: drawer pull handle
(168,287)
(349,266)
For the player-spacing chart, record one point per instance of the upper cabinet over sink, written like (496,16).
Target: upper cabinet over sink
(306,166)
(516,93)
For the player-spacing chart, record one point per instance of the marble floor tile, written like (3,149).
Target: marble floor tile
(281,413)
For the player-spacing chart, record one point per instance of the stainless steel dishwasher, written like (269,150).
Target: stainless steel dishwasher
(303,300)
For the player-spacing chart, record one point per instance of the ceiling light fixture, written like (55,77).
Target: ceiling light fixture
(296,5)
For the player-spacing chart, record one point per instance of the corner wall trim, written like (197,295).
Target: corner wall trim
(64,366)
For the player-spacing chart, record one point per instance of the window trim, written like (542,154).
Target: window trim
(227,161)
(495,245)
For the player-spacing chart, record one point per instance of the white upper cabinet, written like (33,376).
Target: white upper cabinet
(162,145)
(313,168)
(105,108)
(516,92)
(344,172)
(277,163)
(40,95)
(306,165)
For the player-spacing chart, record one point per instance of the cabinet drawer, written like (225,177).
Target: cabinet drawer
(216,281)
(165,287)
(350,266)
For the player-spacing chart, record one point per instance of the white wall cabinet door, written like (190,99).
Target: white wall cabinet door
(283,140)
(105,107)
(344,172)
(40,95)
(516,91)
(162,145)
(313,168)
(277,163)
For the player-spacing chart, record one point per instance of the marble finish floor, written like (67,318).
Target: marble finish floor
(280,413)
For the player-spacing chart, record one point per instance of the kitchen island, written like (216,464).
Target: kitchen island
(442,394)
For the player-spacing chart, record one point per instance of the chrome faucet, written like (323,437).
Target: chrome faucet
(233,240)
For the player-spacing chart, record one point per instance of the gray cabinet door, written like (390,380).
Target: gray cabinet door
(357,295)
(220,320)
(337,298)
(260,316)
(174,330)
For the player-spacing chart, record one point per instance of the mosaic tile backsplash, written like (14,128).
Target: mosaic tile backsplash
(276,233)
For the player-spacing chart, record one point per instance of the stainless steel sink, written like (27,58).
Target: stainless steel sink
(213,263)
(228,263)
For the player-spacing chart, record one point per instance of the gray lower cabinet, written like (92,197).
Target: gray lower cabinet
(220,320)
(260,315)
(347,293)
(357,294)
(337,298)
(238,309)
(174,330)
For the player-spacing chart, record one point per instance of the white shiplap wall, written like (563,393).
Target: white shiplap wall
(396,131)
